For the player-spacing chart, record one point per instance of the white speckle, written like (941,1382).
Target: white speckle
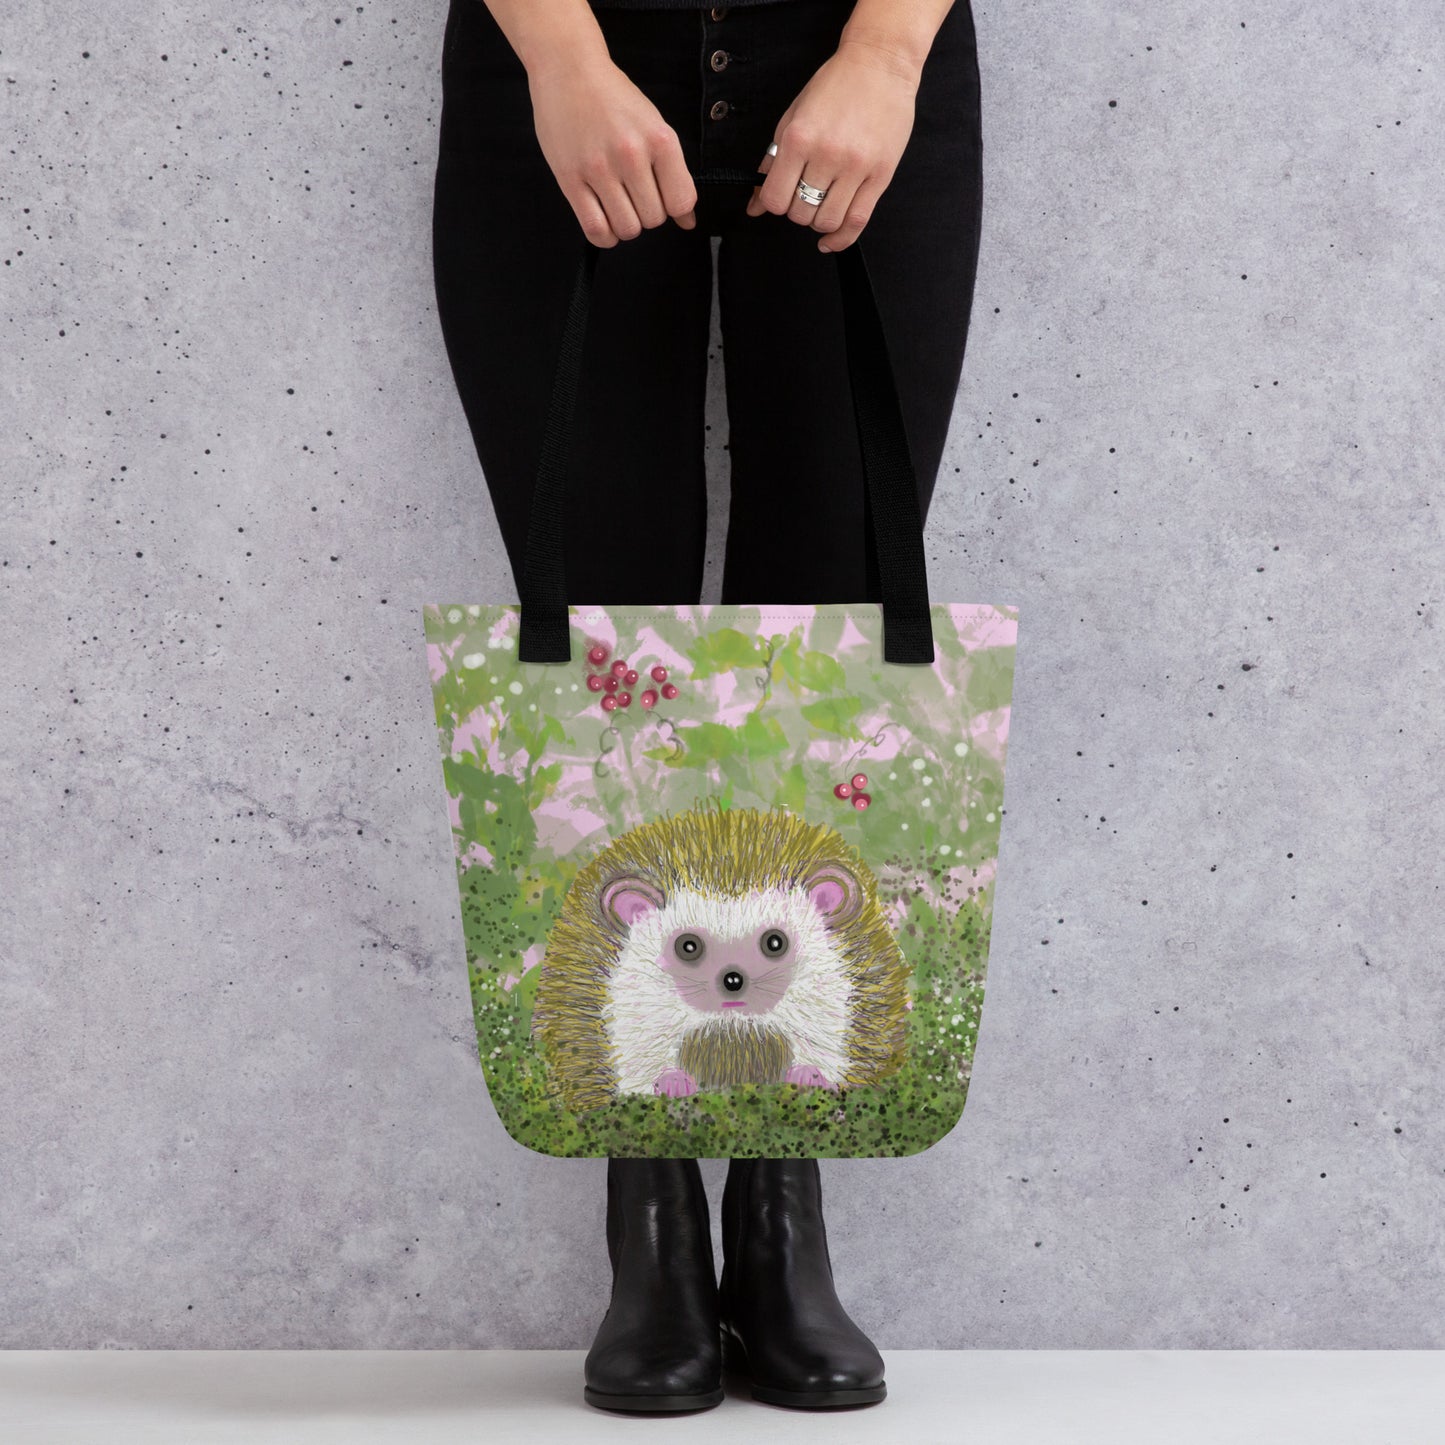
(595,617)
(988,817)
(558,691)
(919,765)
(454,614)
(960,749)
(926,781)
(474,610)
(574,687)
(506,644)
(496,679)
(904,826)
(515,688)
(892,777)
(475,659)
(944,849)
(499,698)
(928,802)
(531,707)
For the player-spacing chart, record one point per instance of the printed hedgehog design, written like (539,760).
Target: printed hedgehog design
(719,947)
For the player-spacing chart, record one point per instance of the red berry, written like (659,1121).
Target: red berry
(842,790)
(630,677)
(861,801)
(597,656)
(659,673)
(619,668)
(609,703)
(611,684)
(624,699)
(594,683)
(669,691)
(648,699)
(860,781)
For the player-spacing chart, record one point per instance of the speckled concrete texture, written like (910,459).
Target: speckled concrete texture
(1198,443)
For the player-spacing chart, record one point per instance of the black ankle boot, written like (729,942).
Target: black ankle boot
(783,1325)
(657,1347)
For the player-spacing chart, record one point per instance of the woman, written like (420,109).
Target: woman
(641,127)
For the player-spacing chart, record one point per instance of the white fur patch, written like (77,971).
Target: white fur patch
(646,1019)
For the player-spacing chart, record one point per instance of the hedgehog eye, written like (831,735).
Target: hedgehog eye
(688,947)
(775,943)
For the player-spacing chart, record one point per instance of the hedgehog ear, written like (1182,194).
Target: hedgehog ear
(625,900)
(835,893)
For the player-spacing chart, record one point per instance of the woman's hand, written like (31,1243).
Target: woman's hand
(845,133)
(619,163)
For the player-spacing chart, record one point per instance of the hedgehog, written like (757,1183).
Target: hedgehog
(717,947)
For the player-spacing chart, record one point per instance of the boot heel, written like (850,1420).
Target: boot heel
(652,1404)
(820,1399)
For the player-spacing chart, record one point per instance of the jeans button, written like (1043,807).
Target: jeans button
(718,11)
(719,59)
(719,109)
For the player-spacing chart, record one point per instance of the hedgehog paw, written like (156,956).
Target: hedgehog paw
(675,1083)
(808,1075)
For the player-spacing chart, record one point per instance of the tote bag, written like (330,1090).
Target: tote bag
(726,872)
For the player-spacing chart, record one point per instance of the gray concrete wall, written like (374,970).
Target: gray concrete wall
(1199,444)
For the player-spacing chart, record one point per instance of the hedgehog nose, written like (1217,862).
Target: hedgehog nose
(733,981)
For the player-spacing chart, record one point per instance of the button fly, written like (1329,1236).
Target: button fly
(719,109)
(719,59)
(718,11)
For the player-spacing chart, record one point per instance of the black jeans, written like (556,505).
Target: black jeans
(505,245)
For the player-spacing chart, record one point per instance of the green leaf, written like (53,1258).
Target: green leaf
(827,631)
(788,653)
(990,679)
(493,810)
(724,650)
(834,715)
(533,740)
(792,789)
(707,743)
(544,782)
(525,992)
(819,672)
(762,737)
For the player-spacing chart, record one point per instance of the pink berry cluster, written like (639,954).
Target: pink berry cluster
(616,682)
(854,791)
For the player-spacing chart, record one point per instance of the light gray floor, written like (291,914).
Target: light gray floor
(1196,1397)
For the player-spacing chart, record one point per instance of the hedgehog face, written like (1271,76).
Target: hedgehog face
(737,955)
(713,972)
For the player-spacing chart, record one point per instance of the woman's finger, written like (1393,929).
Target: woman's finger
(590,215)
(620,213)
(675,183)
(820,179)
(858,214)
(636,175)
(834,208)
(780,185)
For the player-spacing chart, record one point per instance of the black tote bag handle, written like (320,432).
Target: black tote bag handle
(891,502)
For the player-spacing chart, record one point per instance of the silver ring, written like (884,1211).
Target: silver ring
(773,149)
(813,195)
